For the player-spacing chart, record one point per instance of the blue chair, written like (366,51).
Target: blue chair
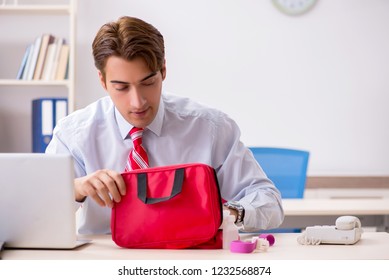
(287,168)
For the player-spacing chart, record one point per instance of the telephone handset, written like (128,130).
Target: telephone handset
(347,223)
(347,230)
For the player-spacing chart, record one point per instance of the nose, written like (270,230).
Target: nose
(137,99)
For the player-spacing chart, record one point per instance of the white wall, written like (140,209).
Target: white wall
(318,82)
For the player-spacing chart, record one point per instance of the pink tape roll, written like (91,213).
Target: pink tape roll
(268,237)
(238,246)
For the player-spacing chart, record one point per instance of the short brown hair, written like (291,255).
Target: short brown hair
(129,38)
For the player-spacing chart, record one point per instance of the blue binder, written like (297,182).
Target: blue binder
(46,112)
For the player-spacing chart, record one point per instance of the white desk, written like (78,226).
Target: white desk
(373,245)
(308,212)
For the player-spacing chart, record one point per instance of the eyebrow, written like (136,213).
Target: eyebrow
(144,79)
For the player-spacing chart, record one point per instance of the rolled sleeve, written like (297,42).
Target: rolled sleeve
(242,179)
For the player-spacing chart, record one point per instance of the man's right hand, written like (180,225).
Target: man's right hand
(103,186)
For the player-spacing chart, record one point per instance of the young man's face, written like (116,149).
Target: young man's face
(134,89)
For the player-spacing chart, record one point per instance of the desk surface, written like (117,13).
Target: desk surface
(373,245)
(317,207)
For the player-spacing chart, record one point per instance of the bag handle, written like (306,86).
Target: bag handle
(142,187)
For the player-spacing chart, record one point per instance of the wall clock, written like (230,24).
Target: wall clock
(294,7)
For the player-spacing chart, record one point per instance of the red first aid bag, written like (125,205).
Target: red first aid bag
(169,207)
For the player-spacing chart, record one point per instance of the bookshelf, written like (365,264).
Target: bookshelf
(51,9)
(20,22)
(14,82)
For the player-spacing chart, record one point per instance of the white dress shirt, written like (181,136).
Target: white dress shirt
(182,132)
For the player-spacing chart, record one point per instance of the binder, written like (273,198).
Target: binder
(46,112)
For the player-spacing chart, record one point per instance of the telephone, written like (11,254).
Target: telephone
(347,230)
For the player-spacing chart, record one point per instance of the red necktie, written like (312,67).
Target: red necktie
(137,159)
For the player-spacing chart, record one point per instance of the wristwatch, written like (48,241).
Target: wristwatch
(235,205)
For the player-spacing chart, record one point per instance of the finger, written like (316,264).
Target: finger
(110,184)
(102,191)
(89,190)
(120,184)
(95,196)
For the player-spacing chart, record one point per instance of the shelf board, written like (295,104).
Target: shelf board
(14,82)
(60,9)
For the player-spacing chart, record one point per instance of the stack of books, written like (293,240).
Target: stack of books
(47,58)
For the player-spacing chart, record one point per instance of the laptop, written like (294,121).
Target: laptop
(37,201)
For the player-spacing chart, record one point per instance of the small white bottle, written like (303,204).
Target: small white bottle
(230,230)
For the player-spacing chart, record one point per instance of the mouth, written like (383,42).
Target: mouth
(140,113)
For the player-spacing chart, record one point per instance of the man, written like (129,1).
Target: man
(130,57)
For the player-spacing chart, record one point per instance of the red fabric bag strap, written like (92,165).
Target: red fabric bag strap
(142,187)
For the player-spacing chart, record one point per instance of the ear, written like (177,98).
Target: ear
(102,80)
(163,70)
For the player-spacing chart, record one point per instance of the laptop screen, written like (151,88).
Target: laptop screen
(37,201)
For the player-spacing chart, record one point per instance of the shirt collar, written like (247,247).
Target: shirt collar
(155,126)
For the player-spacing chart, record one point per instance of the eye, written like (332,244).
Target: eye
(121,88)
(149,82)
